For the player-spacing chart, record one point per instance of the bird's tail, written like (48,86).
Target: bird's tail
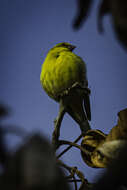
(87,106)
(75,109)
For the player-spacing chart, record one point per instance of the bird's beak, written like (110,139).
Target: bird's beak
(71,47)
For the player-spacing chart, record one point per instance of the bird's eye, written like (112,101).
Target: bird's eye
(57,55)
(63,44)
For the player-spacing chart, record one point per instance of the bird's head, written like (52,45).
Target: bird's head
(65,45)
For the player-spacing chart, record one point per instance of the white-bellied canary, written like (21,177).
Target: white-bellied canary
(64,78)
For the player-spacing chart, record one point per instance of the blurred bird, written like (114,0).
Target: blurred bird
(64,78)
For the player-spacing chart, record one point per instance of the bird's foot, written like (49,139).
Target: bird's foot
(78,85)
(86,90)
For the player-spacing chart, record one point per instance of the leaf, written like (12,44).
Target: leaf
(82,12)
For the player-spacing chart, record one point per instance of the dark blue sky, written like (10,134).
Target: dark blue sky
(28,29)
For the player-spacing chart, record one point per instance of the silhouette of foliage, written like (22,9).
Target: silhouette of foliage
(82,12)
(3,154)
(117,9)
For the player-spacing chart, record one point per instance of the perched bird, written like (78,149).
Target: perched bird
(64,78)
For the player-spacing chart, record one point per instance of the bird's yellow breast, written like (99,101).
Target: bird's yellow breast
(60,72)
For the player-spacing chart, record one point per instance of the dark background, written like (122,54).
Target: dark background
(28,29)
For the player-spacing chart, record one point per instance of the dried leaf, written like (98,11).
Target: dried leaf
(90,142)
(120,130)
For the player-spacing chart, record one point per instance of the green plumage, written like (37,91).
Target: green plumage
(61,71)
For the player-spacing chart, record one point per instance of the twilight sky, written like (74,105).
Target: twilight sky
(28,29)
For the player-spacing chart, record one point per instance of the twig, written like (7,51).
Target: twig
(63,142)
(75,183)
(68,148)
(72,170)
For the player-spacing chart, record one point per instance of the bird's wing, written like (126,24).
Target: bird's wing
(87,106)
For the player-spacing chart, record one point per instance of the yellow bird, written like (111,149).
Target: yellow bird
(64,78)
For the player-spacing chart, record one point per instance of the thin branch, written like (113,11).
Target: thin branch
(68,148)
(72,170)
(63,142)
(75,183)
